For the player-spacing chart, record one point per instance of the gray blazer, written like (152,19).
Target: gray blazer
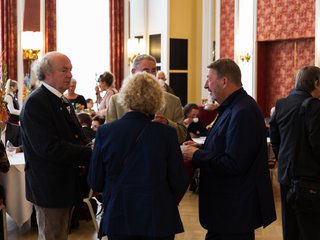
(172,111)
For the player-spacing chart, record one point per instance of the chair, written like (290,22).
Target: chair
(4,220)
(92,213)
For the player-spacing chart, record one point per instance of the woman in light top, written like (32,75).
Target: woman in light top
(12,101)
(106,83)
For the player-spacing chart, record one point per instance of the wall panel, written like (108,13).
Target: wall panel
(227,29)
(290,19)
(283,59)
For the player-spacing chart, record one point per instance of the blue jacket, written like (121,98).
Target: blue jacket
(146,203)
(235,192)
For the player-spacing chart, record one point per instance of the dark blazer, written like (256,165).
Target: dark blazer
(235,192)
(197,128)
(146,203)
(13,134)
(13,117)
(289,143)
(88,133)
(53,150)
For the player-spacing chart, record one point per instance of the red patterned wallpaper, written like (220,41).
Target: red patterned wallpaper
(283,59)
(290,19)
(227,29)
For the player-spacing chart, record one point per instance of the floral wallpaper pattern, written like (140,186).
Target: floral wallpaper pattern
(284,58)
(227,29)
(285,19)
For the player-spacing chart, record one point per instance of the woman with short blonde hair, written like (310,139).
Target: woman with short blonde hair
(141,92)
(137,164)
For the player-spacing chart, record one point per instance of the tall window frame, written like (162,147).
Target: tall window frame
(83,35)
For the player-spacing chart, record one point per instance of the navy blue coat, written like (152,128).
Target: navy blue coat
(146,204)
(235,192)
(53,151)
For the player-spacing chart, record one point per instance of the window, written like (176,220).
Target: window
(83,35)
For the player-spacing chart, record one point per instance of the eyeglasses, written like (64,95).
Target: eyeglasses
(152,71)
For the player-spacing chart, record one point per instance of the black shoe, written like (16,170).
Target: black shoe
(74,223)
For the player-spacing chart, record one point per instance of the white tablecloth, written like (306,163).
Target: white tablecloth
(18,207)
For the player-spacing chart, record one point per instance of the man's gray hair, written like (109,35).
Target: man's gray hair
(45,65)
(141,57)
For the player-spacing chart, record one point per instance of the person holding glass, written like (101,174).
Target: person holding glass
(12,101)
(11,137)
(106,83)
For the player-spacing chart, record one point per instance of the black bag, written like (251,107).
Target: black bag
(304,195)
(4,161)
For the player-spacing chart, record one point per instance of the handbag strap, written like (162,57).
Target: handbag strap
(127,165)
(303,121)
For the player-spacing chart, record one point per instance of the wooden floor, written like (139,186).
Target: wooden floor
(189,213)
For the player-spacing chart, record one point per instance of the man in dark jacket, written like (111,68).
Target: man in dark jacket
(53,147)
(296,142)
(235,192)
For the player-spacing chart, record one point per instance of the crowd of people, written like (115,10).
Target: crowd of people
(136,148)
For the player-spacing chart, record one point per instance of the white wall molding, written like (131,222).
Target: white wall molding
(207,43)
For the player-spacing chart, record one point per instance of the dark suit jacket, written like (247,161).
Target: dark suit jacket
(146,203)
(235,192)
(88,133)
(53,150)
(13,134)
(288,141)
(198,129)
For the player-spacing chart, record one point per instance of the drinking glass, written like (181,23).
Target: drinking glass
(11,150)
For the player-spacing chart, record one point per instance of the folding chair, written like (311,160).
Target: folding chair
(92,213)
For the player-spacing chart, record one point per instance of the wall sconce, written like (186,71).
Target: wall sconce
(31,45)
(245,57)
(136,46)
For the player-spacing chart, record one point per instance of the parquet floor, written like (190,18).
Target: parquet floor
(189,213)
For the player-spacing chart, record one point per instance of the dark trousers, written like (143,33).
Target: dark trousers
(299,222)
(308,223)
(226,236)
(1,227)
(2,196)
(139,238)
(290,230)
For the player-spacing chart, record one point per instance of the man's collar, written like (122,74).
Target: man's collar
(52,89)
(229,100)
